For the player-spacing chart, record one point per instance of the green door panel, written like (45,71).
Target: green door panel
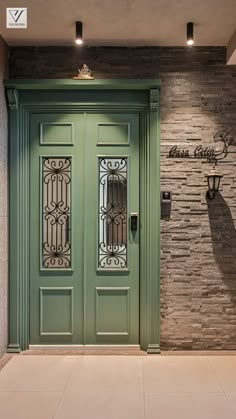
(80,301)
(56,302)
(112,295)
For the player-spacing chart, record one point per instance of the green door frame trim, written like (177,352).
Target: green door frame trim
(19,199)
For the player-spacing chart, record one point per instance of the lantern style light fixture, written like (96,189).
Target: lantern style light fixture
(190,40)
(79,33)
(213,181)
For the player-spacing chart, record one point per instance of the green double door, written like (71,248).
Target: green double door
(84,228)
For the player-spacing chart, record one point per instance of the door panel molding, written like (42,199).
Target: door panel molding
(116,291)
(45,133)
(145,100)
(56,290)
(103,127)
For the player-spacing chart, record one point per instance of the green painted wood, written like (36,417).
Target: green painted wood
(14,344)
(144,220)
(129,101)
(57,84)
(120,287)
(40,277)
(56,317)
(103,321)
(153,198)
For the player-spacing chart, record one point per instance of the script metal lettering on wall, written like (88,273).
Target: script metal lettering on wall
(199,153)
(206,153)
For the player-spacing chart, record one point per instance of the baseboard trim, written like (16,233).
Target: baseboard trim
(153,349)
(14,348)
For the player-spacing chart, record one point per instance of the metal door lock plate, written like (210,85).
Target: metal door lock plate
(133,221)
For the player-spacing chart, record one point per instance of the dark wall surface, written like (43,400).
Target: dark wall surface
(198,240)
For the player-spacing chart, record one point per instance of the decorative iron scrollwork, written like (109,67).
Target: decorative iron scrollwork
(112,246)
(56,246)
(227,140)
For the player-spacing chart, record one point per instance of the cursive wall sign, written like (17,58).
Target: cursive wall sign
(199,153)
(207,153)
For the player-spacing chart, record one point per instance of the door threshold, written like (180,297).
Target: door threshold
(125,350)
(83,347)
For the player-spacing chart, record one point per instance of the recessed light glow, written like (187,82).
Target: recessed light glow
(190,40)
(79,33)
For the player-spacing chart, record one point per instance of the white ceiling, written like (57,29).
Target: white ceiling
(122,22)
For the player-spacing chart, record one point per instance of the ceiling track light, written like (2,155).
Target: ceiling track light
(79,33)
(190,40)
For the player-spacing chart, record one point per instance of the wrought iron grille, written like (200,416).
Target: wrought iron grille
(112,246)
(56,245)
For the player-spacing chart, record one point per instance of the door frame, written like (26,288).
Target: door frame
(20,108)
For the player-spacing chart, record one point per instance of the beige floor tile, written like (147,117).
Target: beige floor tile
(179,375)
(28,405)
(225,370)
(117,373)
(112,387)
(100,405)
(36,373)
(232,399)
(188,406)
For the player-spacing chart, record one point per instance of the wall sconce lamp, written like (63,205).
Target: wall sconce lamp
(190,40)
(213,181)
(79,33)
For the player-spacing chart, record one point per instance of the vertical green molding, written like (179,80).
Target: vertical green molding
(14,237)
(24,228)
(19,225)
(143,229)
(153,227)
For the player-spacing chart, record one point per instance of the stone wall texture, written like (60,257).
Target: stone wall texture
(3,200)
(198,239)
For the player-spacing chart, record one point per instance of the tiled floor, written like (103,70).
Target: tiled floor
(118,387)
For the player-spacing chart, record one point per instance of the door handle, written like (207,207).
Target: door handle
(134,221)
(68,229)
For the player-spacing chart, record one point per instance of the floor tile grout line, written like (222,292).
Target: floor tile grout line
(5,390)
(208,362)
(4,360)
(62,393)
(211,369)
(191,393)
(57,405)
(215,392)
(222,388)
(66,385)
(234,411)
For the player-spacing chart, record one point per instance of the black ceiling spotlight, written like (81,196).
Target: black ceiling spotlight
(79,33)
(190,40)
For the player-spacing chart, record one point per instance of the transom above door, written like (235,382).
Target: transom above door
(84,251)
